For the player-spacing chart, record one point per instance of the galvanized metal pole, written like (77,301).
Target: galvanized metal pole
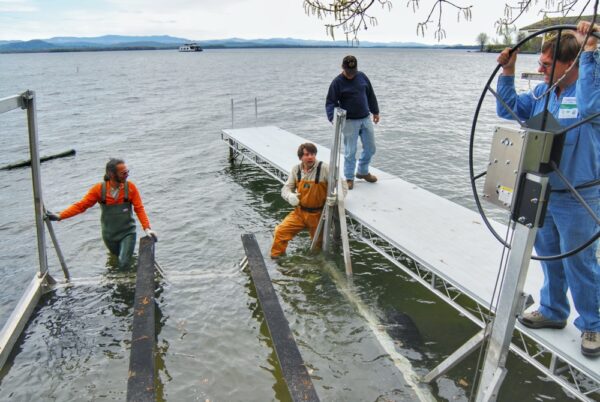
(510,304)
(29,101)
(334,158)
(255,111)
(231,112)
(344,229)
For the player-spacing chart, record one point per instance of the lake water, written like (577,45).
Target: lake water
(163,111)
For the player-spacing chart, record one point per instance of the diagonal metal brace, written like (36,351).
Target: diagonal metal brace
(459,355)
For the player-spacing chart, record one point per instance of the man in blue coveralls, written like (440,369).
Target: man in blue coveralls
(352,91)
(567,224)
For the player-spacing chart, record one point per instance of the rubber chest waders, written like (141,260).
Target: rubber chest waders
(118,226)
(312,195)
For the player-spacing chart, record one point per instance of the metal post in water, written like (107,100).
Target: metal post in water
(339,120)
(232,154)
(231,112)
(511,300)
(255,111)
(344,229)
(29,101)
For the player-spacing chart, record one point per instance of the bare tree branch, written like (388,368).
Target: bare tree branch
(562,7)
(349,15)
(439,33)
(353,16)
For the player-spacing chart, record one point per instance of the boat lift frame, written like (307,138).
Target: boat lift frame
(42,281)
(551,363)
(334,189)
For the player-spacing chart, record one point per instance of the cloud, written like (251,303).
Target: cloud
(17,6)
(172,6)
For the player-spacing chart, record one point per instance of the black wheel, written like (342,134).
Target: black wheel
(474,177)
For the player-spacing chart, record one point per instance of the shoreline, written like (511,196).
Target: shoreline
(471,49)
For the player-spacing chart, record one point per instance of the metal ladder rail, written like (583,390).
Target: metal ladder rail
(42,280)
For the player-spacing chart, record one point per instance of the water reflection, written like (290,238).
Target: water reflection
(279,386)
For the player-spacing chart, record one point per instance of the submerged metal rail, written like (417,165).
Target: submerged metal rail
(142,371)
(573,378)
(294,371)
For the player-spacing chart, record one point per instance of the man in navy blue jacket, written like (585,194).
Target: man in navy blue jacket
(352,91)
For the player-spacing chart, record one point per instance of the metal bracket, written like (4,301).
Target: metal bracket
(532,199)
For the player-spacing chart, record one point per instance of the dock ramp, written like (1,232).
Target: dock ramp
(454,254)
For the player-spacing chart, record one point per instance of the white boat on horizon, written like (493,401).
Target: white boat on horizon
(190,47)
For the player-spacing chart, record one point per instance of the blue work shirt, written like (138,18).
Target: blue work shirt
(356,96)
(580,160)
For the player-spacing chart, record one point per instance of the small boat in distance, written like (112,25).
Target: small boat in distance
(190,47)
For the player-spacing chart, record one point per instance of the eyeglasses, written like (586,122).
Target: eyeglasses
(544,66)
(123,173)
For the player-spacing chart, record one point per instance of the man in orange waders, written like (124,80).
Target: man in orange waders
(116,196)
(306,190)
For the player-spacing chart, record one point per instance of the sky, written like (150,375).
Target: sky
(248,19)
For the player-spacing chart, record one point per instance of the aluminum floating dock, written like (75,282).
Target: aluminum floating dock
(455,255)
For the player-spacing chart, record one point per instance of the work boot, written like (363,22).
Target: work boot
(590,344)
(350,184)
(368,177)
(535,320)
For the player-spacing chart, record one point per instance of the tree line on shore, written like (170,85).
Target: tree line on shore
(508,39)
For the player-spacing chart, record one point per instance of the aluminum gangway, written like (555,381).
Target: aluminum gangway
(453,253)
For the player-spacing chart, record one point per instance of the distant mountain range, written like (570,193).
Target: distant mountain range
(118,42)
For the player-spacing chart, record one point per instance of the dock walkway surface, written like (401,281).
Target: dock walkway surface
(447,239)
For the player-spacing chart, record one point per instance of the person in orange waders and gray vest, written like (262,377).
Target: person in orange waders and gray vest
(116,196)
(306,190)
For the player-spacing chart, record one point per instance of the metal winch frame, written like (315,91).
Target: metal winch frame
(517,180)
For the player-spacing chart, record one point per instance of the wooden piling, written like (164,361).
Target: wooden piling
(294,371)
(142,372)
